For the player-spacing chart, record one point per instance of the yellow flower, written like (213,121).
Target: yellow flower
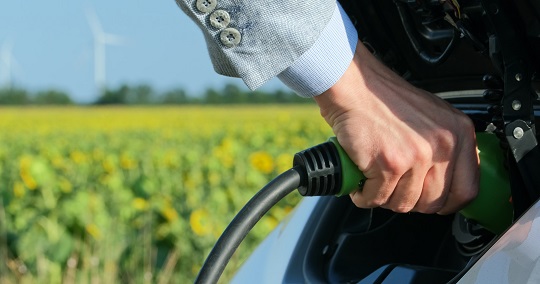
(78,157)
(284,162)
(24,171)
(19,190)
(224,152)
(171,160)
(198,220)
(25,162)
(28,180)
(169,214)
(127,162)
(262,161)
(57,162)
(65,185)
(108,166)
(270,223)
(94,231)
(140,204)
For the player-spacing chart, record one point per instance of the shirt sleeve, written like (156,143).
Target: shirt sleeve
(321,66)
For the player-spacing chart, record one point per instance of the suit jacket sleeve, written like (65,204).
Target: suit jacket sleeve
(257,40)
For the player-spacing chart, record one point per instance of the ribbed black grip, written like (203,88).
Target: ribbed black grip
(322,170)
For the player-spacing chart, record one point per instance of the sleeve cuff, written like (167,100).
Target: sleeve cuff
(321,66)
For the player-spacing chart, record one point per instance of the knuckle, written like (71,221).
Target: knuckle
(361,202)
(432,209)
(446,141)
(423,155)
(395,166)
(356,200)
(467,195)
(465,127)
(466,123)
(444,212)
(377,202)
(402,208)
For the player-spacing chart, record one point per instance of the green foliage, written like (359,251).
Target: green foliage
(144,94)
(51,97)
(19,96)
(133,195)
(131,95)
(14,96)
(175,96)
(232,94)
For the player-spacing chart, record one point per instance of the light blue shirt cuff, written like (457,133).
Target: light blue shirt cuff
(325,62)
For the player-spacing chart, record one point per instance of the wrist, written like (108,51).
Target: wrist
(366,84)
(347,91)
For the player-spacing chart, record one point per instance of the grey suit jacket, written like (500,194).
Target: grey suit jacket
(257,39)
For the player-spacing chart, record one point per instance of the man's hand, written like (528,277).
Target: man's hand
(417,152)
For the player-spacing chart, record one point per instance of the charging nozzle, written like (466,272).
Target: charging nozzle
(326,169)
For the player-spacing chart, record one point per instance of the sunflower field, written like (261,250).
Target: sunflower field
(139,194)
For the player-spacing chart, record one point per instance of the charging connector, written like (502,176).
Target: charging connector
(326,169)
(320,170)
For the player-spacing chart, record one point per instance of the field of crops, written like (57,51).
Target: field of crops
(137,195)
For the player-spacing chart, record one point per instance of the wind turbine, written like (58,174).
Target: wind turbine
(7,64)
(101,39)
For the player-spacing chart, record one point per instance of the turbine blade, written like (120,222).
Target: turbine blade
(16,66)
(7,46)
(94,23)
(112,39)
(6,49)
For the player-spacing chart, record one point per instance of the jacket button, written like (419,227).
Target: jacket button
(220,19)
(206,6)
(230,37)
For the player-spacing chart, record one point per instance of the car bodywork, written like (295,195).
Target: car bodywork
(304,249)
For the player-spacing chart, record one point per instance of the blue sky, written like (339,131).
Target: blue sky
(53,46)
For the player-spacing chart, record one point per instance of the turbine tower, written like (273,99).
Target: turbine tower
(7,64)
(101,39)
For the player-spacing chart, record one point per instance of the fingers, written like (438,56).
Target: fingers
(465,179)
(435,189)
(446,187)
(396,180)
(375,193)
(397,193)
(407,192)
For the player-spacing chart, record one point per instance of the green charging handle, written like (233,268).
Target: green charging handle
(492,208)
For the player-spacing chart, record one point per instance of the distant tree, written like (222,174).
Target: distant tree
(110,96)
(233,95)
(14,96)
(211,96)
(175,96)
(281,96)
(140,95)
(51,97)
(261,97)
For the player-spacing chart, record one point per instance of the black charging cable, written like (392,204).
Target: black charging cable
(244,221)
(316,172)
